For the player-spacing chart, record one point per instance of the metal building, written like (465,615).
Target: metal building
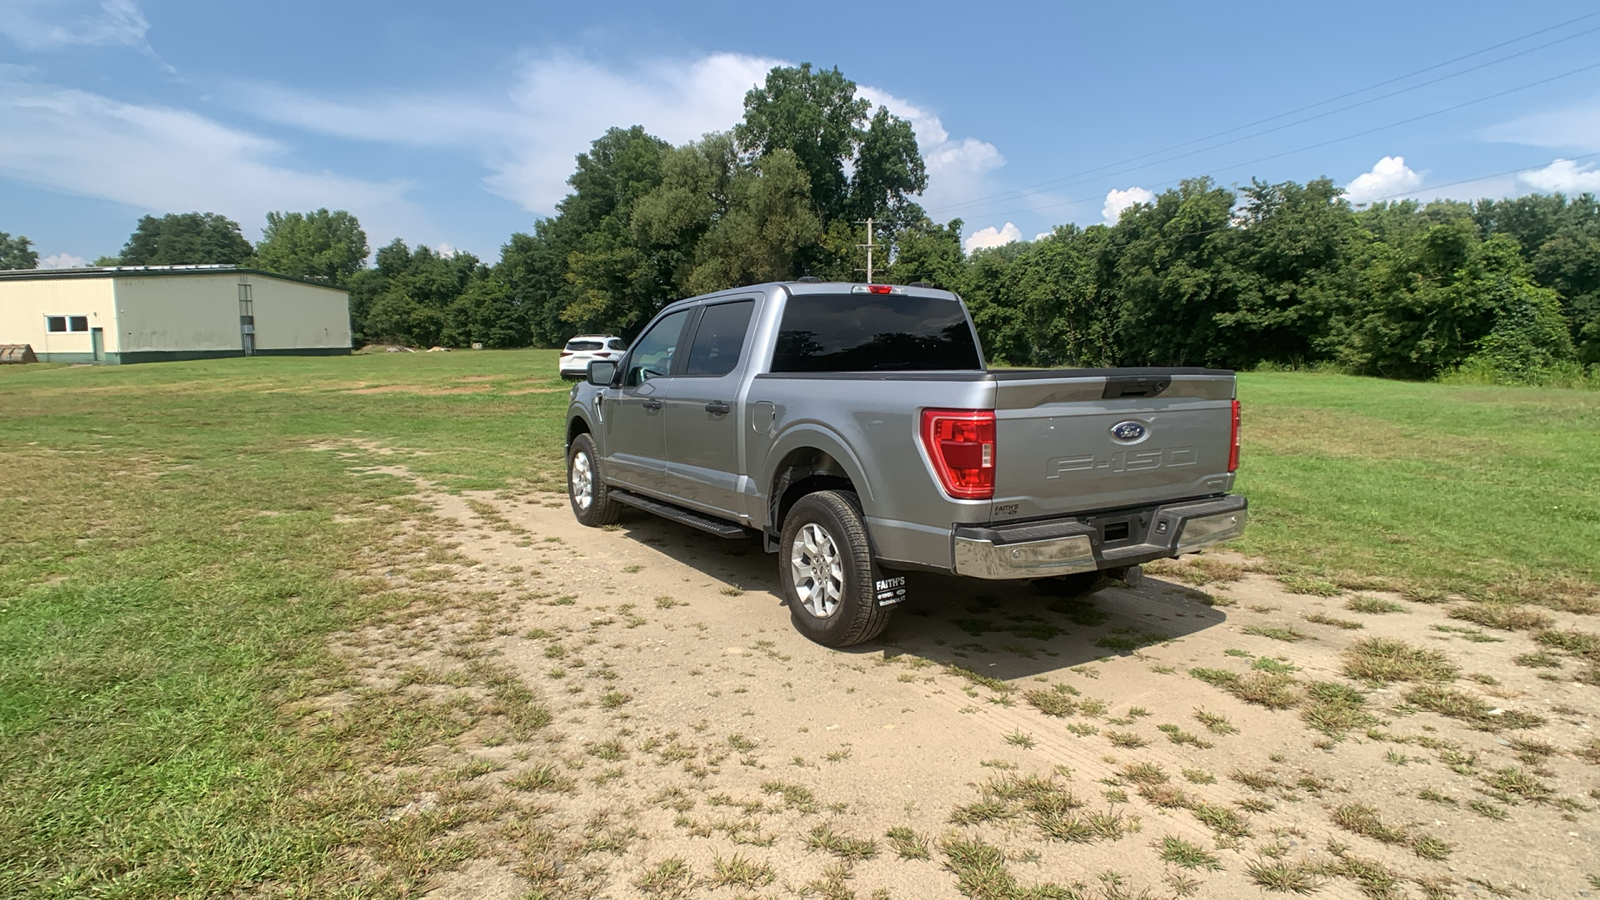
(129,314)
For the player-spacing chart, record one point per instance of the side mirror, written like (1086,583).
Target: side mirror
(601,372)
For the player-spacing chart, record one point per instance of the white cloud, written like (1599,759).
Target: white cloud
(62,261)
(1575,127)
(1389,177)
(993,237)
(1117,201)
(957,168)
(1563,176)
(528,135)
(46,25)
(161,159)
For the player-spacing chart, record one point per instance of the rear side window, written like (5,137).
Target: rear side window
(868,332)
(616,344)
(581,346)
(719,338)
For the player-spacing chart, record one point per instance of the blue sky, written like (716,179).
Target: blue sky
(455,125)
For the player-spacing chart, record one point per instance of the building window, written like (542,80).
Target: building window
(78,323)
(55,324)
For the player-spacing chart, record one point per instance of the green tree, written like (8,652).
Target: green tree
(185,239)
(768,225)
(406,297)
(814,114)
(322,246)
(888,169)
(1295,258)
(1175,276)
(17,252)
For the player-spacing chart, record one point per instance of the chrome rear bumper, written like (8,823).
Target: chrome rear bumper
(1064,546)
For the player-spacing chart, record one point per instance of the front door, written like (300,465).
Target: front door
(97,341)
(635,439)
(702,431)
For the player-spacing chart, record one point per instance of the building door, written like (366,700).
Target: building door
(97,340)
(247,320)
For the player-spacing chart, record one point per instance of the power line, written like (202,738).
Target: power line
(1025,191)
(1348,137)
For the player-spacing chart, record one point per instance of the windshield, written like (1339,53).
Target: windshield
(867,332)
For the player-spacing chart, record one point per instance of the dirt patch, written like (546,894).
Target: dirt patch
(1181,741)
(418,389)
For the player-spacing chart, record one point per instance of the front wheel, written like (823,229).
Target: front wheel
(825,566)
(591,502)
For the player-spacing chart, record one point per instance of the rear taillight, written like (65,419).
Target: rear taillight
(960,442)
(566,353)
(1233,451)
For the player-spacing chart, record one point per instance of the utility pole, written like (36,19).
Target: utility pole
(868,245)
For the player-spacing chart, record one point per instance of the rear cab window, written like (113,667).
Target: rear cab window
(854,332)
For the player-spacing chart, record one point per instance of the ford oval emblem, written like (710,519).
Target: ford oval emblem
(1127,432)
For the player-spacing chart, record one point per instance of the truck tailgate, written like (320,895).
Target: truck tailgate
(1073,442)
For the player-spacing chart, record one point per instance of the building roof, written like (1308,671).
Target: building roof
(139,271)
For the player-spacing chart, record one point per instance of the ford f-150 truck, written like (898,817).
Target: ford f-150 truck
(859,431)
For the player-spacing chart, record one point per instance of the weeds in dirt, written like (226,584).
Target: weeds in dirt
(1055,702)
(1365,603)
(844,846)
(1470,709)
(1216,723)
(1283,876)
(1336,622)
(1502,616)
(1384,660)
(907,843)
(1180,852)
(670,879)
(1308,585)
(1335,709)
(1222,820)
(1287,633)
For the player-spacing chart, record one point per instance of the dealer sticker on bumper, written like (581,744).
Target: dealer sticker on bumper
(890,590)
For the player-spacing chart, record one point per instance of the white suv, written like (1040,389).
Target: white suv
(586,348)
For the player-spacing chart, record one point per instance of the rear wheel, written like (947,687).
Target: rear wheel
(591,503)
(825,566)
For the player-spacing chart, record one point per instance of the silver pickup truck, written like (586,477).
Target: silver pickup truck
(858,430)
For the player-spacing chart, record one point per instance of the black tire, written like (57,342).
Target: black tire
(854,615)
(597,508)
(1075,585)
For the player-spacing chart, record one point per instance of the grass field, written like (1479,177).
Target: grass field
(175,556)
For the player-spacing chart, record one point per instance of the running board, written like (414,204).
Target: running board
(680,515)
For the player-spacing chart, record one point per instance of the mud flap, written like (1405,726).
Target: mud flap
(888,587)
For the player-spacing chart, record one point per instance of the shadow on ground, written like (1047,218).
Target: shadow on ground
(997,629)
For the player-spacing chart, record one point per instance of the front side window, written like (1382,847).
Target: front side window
(55,324)
(719,339)
(874,332)
(652,354)
(78,323)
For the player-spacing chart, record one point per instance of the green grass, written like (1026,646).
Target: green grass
(170,546)
(172,553)
(1399,479)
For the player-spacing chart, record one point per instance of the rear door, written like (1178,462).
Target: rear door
(702,413)
(1069,443)
(632,412)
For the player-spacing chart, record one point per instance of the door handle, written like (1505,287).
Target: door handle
(717,408)
(652,404)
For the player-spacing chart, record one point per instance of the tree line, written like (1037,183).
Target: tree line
(1285,274)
